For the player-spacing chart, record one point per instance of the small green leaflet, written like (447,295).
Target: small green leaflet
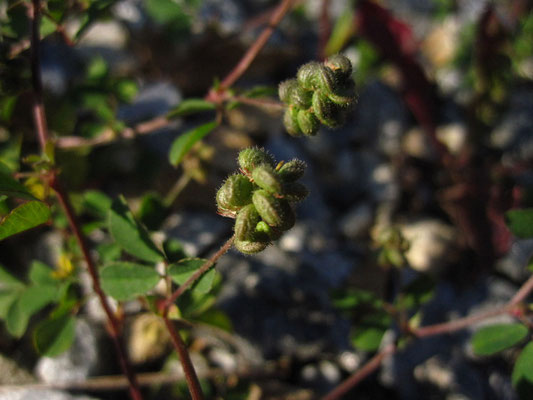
(523,369)
(342,32)
(183,143)
(125,281)
(129,234)
(55,335)
(520,222)
(495,338)
(191,106)
(11,187)
(369,332)
(24,217)
(183,269)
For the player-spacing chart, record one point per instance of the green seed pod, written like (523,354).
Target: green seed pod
(250,158)
(266,178)
(245,223)
(308,123)
(285,90)
(308,75)
(292,170)
(344,95)
(235,193)
(265,229)
(290,120)
(275,212)
(301,97)
(250,247)
(294,192)
(326,111)
(340,65)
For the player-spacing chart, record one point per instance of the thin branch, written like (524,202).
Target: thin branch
(190,374)
(198,273)
(360,374)
(42,134)
(324,29)
(523,292)
(256,47)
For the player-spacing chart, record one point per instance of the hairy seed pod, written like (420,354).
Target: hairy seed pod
(290,120)
(345,95)
(235,193)
(307,75)
(294,192)
(252,157)
(326,111)
(308,123)
(340,65)
(245,223)
(266,178)
(301,97)
(275,212)
(285,90)
(292,170)
(263,228)
(250,247)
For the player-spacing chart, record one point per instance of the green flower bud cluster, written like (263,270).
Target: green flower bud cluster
(260,197)
(321,93)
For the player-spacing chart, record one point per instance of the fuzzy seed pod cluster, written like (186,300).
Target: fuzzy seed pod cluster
(322,93)
(259,197)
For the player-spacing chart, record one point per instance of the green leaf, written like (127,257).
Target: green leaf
(126,90)
(97,69)
(97,203)
(7,298)
(216,318)
(109,252)
(495,338)
(129,234)
(520,222)
(152,211)
(48,26)
(8,280)
(184,142)
(349,299)
(191,106)
(55,335)
(418,292)
(24,217)
(164,11)
(183,269)
(342,32)
(523,372)
(125,281)
(369,331)
(11,187)
(41,274)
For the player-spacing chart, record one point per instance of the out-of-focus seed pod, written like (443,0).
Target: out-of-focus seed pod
(286,88)
(290,120)
(326,111)
(266,178)
(272,233)
(294,192)
(250,247)
(292,170)
(340,65)
(307,75)
(307,122)
(245,223)
(235,193)
(250,158)
(275,212)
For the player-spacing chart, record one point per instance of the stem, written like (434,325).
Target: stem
(360,374)
(42,134)
(175,191)
(198,273)
(190,374)
(278,14)
(324,29)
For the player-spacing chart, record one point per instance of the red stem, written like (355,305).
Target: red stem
(256,47)
(190,374)
(42,133)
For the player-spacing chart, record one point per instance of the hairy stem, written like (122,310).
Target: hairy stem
(42,134)
(198,273)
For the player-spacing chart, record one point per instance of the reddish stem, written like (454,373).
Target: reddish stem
(324,29)
(42,133)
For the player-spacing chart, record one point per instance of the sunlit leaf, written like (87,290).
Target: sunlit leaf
(184,142)
(125,281)
(24,217)
(184,269)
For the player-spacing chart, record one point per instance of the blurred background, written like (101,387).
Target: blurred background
(406,201)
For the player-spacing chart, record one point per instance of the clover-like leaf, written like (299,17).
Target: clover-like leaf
(125,280)
(55,335)
(184,269)
(24,217)
(495,338)
(183,143)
